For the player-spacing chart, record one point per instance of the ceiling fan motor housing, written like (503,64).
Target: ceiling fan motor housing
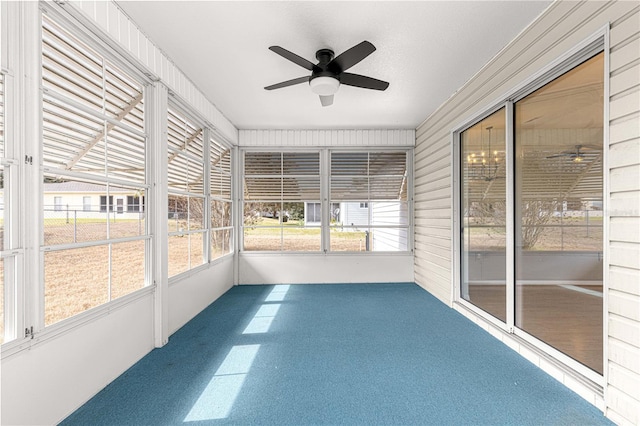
(324,82)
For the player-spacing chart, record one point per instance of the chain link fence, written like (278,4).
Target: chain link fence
(66,224)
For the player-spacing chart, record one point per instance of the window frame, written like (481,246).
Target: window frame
(49,95)
(326,203)
(282,151)
(368,204)
(595,44)
(181,110)
(213,138)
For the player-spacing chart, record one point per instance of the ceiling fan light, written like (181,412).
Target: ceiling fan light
(324,86)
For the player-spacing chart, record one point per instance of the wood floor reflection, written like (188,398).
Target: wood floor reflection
(569,318)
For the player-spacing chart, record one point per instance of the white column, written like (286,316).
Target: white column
(156,107)
(236,209)
(25,113)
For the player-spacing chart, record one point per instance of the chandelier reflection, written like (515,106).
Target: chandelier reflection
(485,164)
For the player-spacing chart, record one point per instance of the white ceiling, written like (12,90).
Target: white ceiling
(425,49)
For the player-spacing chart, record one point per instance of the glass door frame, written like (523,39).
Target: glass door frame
(595,44)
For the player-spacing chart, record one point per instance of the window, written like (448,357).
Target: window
(313,212)
(277,186)
(57,204)
(186,174)
(93,142)
(86,204)
(104,206)
(558,186)
(135,203)
(368,208)
(483,213)
(220,200)
(6,288)
(557,229)
(371,189)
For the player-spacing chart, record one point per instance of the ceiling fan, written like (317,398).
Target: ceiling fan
(329,73)
(577,154)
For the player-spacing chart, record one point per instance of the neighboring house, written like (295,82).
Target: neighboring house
(388,219)
(86,200)
(346,214)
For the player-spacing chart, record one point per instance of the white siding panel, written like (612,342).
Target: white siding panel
(101,13)
(622,56)
(275,138)
(625,128)
(134,39)
(623,80)
(624,280)
(623,408)
(624,354)
(625,178)
(625,305)
(113,21)
(628,25)
(625,204)
(626,380)
(625,254)
(628,330)
(625,104)
(624,154)
(624,229)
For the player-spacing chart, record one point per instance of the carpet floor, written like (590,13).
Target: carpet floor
(388,354)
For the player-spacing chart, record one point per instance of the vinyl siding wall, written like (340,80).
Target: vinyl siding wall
(561,27)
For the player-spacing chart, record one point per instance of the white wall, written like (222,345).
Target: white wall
(189,295)
(322,138)
(560,28)
(307,268)
(56,374)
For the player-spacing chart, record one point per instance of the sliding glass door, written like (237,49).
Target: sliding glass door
(557,232)
(483,239)
(558,188)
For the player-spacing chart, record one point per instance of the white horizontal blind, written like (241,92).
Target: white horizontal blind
(221,203)
(92,111)
(276,176)
(369,201)
(185,153)
(368,176)
(187,202)
(279,187)
(220,170)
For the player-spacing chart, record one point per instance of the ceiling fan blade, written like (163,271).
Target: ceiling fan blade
(295,58)
(559,155)
(365,82)
(349,58)
(326,100)
(288,83)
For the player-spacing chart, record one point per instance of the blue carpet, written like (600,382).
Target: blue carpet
(388,354)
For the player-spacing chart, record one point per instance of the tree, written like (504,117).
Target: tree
(535,215)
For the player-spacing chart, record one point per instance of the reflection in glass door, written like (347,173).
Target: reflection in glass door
(483,210)
(559,193)
(557,214)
